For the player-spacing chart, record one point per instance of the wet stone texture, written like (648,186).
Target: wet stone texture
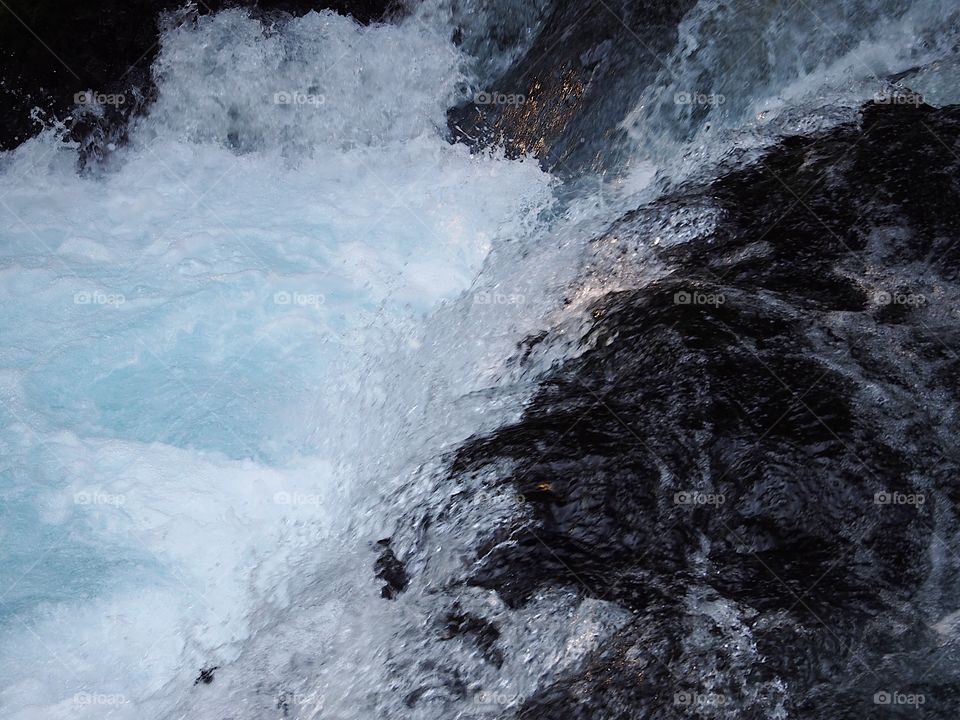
(755,454)
(564,100)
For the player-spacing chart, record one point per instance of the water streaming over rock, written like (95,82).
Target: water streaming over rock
(504,360)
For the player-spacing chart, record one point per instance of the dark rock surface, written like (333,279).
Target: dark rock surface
(50,52)
(206,675)
(755,454)
(391,570)
(481,633)
(562,101)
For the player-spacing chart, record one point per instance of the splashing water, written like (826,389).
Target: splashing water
(233,357)
(187,340)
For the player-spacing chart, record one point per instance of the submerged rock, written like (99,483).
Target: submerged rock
(476,630)
(754,454)
(390,569)
(563,101)
(206,675)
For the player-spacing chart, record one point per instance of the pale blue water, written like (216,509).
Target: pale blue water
(229,358)
(184,335)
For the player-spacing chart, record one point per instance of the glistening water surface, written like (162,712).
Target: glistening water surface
(233,355)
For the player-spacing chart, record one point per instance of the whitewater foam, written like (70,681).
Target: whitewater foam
(218,387)
(188,343)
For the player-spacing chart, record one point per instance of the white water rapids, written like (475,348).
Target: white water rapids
(232,357)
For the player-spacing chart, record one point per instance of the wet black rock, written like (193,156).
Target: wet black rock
(480,632)
(754,454)
(52,53)
(206,675)
(389,568)
(563,100)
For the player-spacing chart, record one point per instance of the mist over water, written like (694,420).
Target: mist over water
(235,354)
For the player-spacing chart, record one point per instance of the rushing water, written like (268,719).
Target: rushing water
(234,353)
